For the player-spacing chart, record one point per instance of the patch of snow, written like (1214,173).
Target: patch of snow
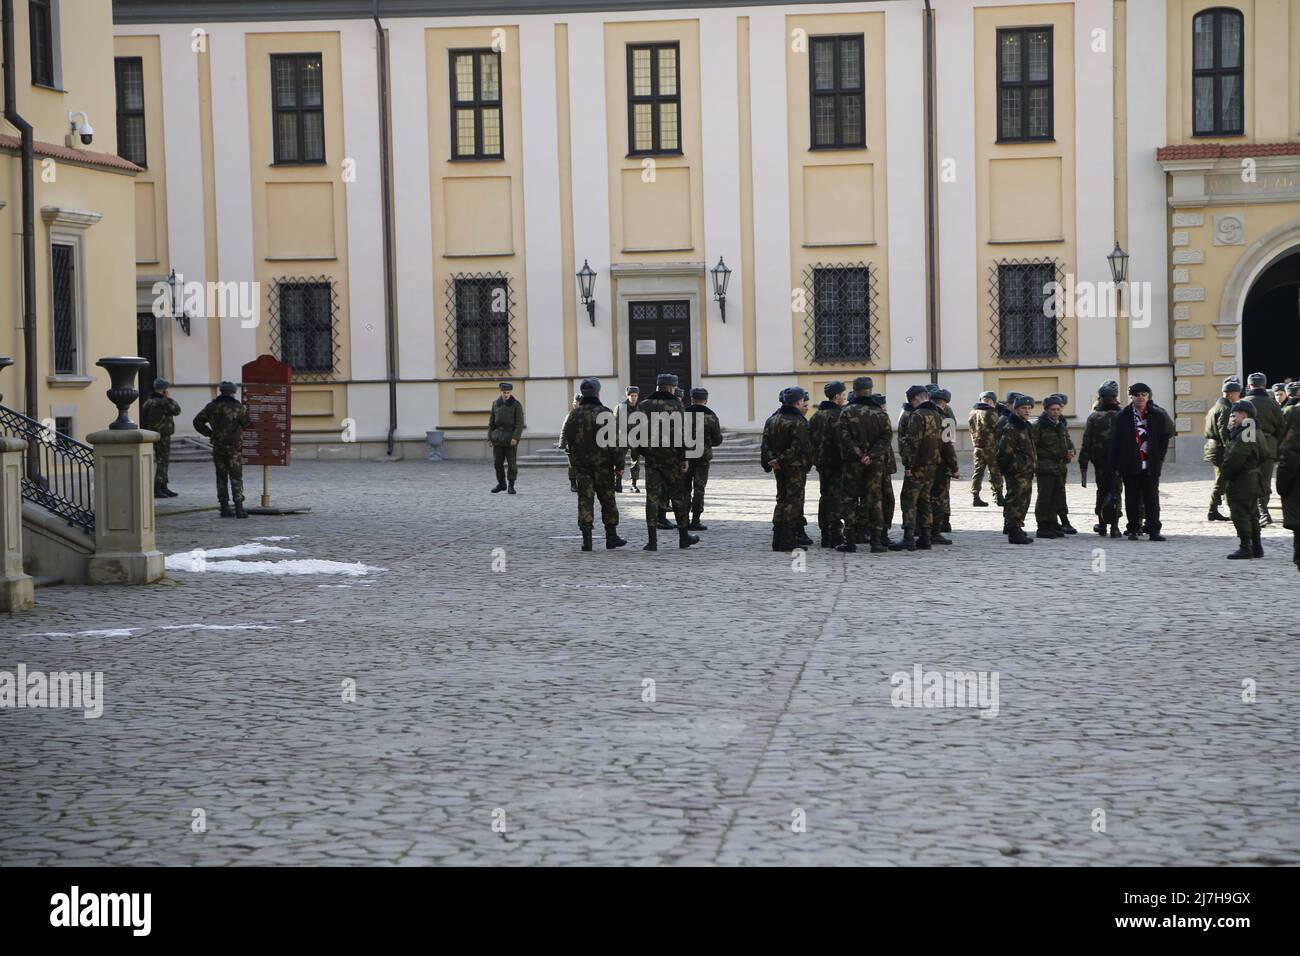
(275,537)
(108,632)
(294,567)
(220,627)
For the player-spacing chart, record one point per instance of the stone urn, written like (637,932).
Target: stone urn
(123,372)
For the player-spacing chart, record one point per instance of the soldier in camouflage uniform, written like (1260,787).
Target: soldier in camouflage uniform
(1109,506)
(1292,398)
(865,434)
(1017,461)
(1242,460)
(625,408)
(594,464)
(787,450)
(906,493)
(1052,452)
(1288,478)
(573,472)
(879,408)
(158,414)
(223,420)
(940,501)
(697,469)
(1279,394)
(1062,503)
(833,510)
(665,468)
(923,451)
(1218,420)
(981,421)
(1269,425)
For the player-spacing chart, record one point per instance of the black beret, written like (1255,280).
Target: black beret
(698,392)
(915,390)
(227,388)
(1139,387)
(589,386)
(833,388)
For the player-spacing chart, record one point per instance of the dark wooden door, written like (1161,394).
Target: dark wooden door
(660,341)
(146,346)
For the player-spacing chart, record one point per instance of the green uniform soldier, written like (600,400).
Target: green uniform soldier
(665,468)
(833,509)
(864,440)
(505,428)
(625,408)
(223,420)
(924,451)
(1218,421)
(940,501)
(1269,424)
(903,418)
(1109,506)
(1052,454)
(595,465)
(1279,394)
(1288,478)
(158,414)
(697,469)
(1242,460)
(1018,463)
(981,421)
(886,479)
(573,472)
(1292,398)
(1062,503)
(787,451)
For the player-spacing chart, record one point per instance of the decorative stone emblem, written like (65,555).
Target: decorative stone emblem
(1189,257)
(1181,238)
(1181,276)
(1184,219)
(1224,368)
(1229,230)
(1182,313)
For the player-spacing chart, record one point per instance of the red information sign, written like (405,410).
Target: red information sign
(267,397)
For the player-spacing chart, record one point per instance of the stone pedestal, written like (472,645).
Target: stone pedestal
(125,552)
(15,586)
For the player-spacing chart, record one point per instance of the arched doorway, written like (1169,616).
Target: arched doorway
(1270,321)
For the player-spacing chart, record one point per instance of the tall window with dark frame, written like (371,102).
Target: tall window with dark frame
(306,326)
(482,322)
(298,108)
(1025,327)
(130,109)
(1024,84)
(654,99)
(476,104)
(40,21)
(1217,71)
(63,273)
(836,84)
(841,313)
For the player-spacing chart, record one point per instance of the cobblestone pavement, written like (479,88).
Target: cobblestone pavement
(517,696)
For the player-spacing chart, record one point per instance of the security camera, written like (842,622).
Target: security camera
(81,128)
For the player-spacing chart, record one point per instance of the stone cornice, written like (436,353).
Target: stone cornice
(73,218)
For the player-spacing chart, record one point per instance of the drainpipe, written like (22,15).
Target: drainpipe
(931,202)
(28,213)
(386,189)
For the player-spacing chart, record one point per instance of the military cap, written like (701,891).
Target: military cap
(1230,384)
(1257,380)
(793,394)
(698,392)
(1279,387)
(1012,396)
(1293,388)
(877,400)
(833,388)
(666,378)
(861,382)
(227,388)
(1065,399)
(507,386)
(1139,387)
(1244,406)
(632,390)
(1022,400)
(161,384)
(915,390)
(589,386)
(1053,399)
(941,395)
(992,395)
(1108,389)
(932,387)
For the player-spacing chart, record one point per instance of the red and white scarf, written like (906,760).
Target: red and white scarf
(1140,422)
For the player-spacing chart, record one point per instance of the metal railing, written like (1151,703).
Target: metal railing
(58,471)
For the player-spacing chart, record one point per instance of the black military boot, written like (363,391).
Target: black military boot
(1215,514)
(510,490)
(685,539)
(1066,527)
(1099,529)
(885,540)
(664,524)
(1242,552)
(239,510)
(653,543)
(979,502)
(1018,536)
(586,539)
(946,526)
(847,545)
(907,544)
(501,481)
(1265,518)
(997,497)
(923,540)
(573,485)
(1256,546)
(1131,534)
(618,481)
(634,487)
(1044,531)
(1114,531)
(612,540)
(800,538)
(169,493)
(936,535)
(226,510)
(878,545)
(695,525)
(160,492)
(781,538)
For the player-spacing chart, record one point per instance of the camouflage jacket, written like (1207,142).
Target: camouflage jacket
(1241,463)
(786,438)
(1051,445)
(711,427)
(223,420)
(1217,421)
(579,436)
(158,415)
(1269,423)
(865,430)
(983,418)
(1288,473)
(823,428)
(506,421)
(662,403)
(887,437)
(923,445)
(1096,435)
(1017,456)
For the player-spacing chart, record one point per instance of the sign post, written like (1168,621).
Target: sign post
(266,442)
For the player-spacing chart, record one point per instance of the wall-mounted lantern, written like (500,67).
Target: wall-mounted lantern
(1118,270)
(721,276)
(587,288)
(178,302)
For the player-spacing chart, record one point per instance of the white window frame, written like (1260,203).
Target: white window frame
(68,227)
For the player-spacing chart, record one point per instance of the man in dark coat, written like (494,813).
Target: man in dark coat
(1138,442)
(1095,450)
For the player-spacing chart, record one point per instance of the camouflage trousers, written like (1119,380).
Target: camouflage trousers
(230,471)
(886,499)
(833,505)
(1051,489)
(636,466)
(1020,488)
(917,490)
(697,476)
(864,496)
(664,490)
(1109,506)
(986,460)
(940,503)
(592,485)
(790,482)
(162,456)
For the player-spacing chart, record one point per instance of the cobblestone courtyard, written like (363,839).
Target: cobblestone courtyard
(517,696)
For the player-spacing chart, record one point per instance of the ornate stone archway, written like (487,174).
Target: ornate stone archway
(1259,255)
